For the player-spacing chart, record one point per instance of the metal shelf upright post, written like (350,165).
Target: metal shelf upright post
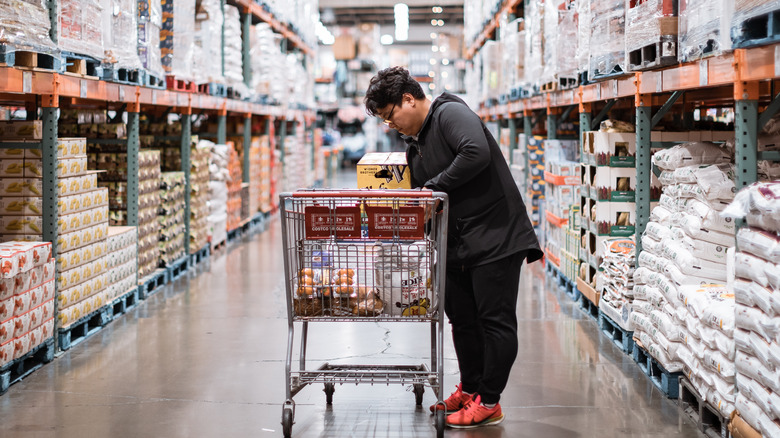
(222,126)
(512,138)
(745,125)
(643,103)
(186,164)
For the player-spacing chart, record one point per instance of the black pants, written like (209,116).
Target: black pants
(480,303)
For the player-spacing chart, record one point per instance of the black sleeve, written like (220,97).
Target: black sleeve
(463,132)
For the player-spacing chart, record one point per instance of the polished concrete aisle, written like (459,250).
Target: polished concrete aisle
(205,356)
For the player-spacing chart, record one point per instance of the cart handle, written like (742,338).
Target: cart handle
(364,193)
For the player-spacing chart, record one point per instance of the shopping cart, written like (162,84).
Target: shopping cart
(364,256)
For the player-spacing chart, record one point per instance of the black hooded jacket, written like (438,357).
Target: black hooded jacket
(456,154)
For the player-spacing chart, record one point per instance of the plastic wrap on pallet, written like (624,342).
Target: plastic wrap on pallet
(25,23)
(704,27)
(491,69)
(534,42)
(234,73)
(647,22)
(208,42)
(560,40)
(149,27)
(120,25)
(583,35)
(80,27)
(607,38)
(177,38)
(568,49)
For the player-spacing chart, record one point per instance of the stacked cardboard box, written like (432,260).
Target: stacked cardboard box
(26,298)
(234,182)
(704,27)
(255,176)
(80,27)
(199,197)
(113,162)
(218,191)
(562,192)
(534,195)
(177,38)
(122,256)
(607,38)
(266,157)
(170,219)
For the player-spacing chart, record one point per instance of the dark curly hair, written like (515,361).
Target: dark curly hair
(388,87)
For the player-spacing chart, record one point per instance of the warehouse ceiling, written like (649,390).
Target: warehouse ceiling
(353,12)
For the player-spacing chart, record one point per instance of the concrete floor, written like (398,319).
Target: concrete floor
(205,356)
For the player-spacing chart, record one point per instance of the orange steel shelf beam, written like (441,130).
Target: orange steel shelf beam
(747,65)
(14,81)
(509,6)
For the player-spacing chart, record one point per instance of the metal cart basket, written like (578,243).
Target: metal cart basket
(364,256)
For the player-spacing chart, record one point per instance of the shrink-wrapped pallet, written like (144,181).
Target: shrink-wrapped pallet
(234,73)
(704,28)
(26,24)
(80,27)
(207,48)
(607,38)
(534,42)
(751,21)
(651,34)
(177,38)
(149,28)
(120,25)
(560,40)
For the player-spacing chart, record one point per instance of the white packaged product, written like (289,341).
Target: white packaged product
(642,306)
(653,262)
(765,299)
(719,364)
(673,272)
(748,365)
(760,243)
(666,325)
(746,296)
(702,234)
(658,231)
(701,249)
(689,154)
(642,275)
(714,339)
(709,218)
(749,411)
(772,272)
(770,379)
(651,245)
(753,319)
(690,265)
(752,268)
(662,216)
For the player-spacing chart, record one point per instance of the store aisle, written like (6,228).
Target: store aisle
(204,357)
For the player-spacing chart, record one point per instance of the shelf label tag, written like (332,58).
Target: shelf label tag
(27,82)
(154,97)
(659,83)
(598,91)
(777,60)
(83,88)
(703,72)
(121,93)
(615,88)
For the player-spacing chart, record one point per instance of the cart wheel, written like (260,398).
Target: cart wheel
(419,391)
(287,422)
(329,389)
(439,424)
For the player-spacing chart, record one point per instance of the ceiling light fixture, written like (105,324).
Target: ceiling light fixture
(386,40)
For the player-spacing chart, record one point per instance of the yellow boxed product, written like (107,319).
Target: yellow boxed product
(21,206)
(21,130)
(69,296)
(21,225)
(384,170)
(68,315)
(66,148)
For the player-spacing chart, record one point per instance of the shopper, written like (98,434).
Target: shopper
(489,236)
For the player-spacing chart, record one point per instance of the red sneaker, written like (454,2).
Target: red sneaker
(474,414)
(454,402)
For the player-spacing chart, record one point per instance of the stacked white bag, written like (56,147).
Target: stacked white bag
(683,312)
(757,290)
(616,280)
(218,191)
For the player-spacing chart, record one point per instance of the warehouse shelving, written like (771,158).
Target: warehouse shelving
(49,90)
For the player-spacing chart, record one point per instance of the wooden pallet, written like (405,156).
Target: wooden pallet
(125,303)
(172,83)
(30,58)
(707,418)
(654,55)
(213,89)
(84,327)
(200,255)
(18,369)
(233,93)
(122,75)
(664,380)
(178,268)
(82,65)
(759,30)
(621,337)
(152,283)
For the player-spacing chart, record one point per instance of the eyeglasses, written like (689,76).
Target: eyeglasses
(387,121)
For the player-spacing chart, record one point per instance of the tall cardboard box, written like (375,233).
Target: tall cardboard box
(344,48)
(383,170)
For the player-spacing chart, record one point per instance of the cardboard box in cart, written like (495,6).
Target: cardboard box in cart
(383,170)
